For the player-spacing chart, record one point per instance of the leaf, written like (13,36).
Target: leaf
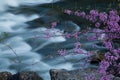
(5,34)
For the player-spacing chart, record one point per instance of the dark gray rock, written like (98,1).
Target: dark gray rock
(68,26)
(5,75)
(116,78)
(78,74)
(25,75)
(69,75)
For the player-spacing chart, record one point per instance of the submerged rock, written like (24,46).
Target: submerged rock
(24,75)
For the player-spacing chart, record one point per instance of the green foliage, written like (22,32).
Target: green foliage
(3,35)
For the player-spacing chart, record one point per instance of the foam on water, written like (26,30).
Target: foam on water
(16,3)
(39,67)
(9,21)
(56,37)
(4,63)
(67,66)
(23,51)
(17,45)
(35,2)
(5,3)
(67,58)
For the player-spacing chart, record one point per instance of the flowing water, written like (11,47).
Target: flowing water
(22,21)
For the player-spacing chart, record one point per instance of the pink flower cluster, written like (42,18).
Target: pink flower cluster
(109,23)
(77,48)
(110,26)
(62,52)
(53,24)
(74,35)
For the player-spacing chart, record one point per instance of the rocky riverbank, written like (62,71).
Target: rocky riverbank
(55,74)
(25,75)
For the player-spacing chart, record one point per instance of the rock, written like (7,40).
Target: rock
(70,75)
(68,24)
(5,75)
(24,75)
(96,57)
(78,74)
(58,74)
(116,78)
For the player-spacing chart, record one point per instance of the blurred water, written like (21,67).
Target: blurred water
(33,52)
(16,3)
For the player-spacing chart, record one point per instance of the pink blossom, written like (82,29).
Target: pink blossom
(106,77)
(83,14)
(94,12)
(62,52)
(108,45)
(67,11)
(97,24)
(103,16)
(53,24)
(77,13)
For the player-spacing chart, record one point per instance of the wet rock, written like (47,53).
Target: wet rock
(70,75)
(97,58)
(28,75)
(25,75)
(116,78)
(68,24)
(78,74)
(5,75)
(58,74)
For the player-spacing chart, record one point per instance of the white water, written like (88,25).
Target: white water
(27,53)
(16,3)
(16,26)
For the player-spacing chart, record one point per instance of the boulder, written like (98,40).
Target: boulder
(62,74)
(78,74)
(24,75)
(5,75)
